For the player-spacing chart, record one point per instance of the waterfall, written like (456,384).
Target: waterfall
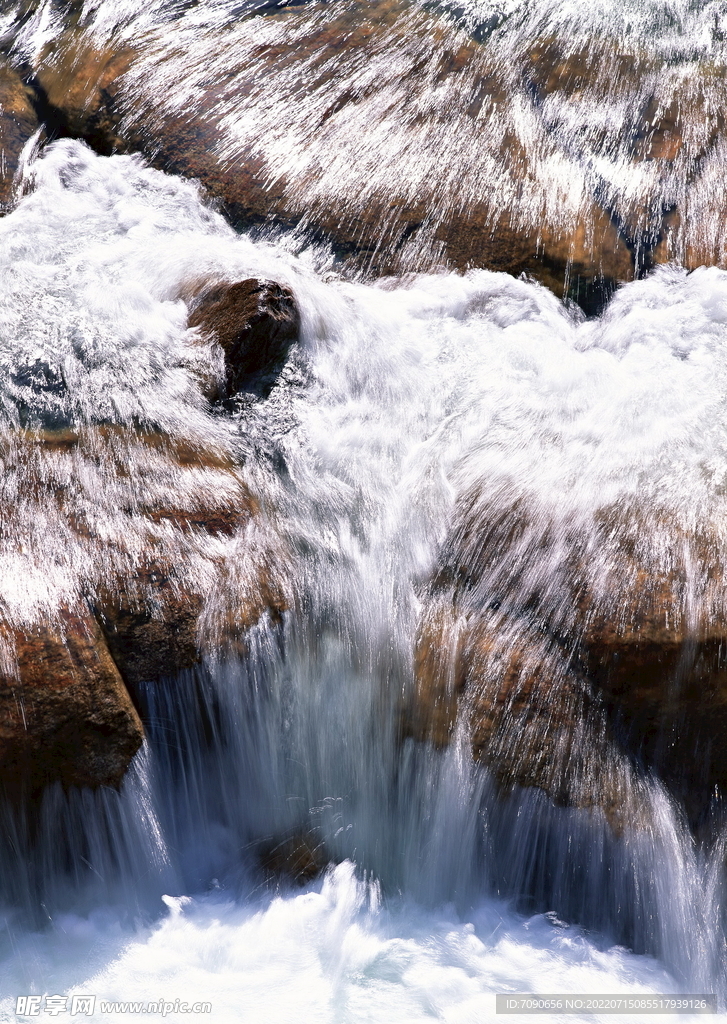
(451,472)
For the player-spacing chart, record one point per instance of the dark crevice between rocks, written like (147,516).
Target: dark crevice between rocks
(53,120)
(590,293)
(56,123)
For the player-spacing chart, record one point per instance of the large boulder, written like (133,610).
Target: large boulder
(65,714)
(526,710)
(401,224)
(537,180)
(159,560)
(622,612)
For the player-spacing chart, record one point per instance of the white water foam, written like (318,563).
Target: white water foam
(334,953)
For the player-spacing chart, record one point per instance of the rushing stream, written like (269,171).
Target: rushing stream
(403,395)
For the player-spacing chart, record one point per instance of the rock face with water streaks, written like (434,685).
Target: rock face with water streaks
(538,180)
(526,708)
(557,642)
(535,178)
(18,122)
(94,93)
(154,591)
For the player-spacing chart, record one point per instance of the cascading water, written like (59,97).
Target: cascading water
(414,416)
(396,400)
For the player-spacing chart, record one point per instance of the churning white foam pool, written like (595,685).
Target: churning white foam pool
(335,953)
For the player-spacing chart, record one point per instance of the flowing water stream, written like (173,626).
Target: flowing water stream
(402,396)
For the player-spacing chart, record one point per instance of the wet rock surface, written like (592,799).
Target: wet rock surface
(95,94)
(65,713)
(77,85)
(559,641)
(503,108)
(526,709)
(255,323)
(18,123)
(150,599)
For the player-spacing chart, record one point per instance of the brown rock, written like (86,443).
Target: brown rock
(156,623)
(151,615)
(299,857)
(150,625)
(397,229)
(254,322)
(18,122)
(65,713)
(157,526)
(627,603)
(81,84)
(653,636)
(492,204)
(670,129)
(528,713)
(158,558)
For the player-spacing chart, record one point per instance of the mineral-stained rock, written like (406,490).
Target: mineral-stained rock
(65,713)
(18,122)
(254,322)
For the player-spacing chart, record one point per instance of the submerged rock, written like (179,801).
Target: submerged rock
(254,323)
(65,713)
(299,857)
